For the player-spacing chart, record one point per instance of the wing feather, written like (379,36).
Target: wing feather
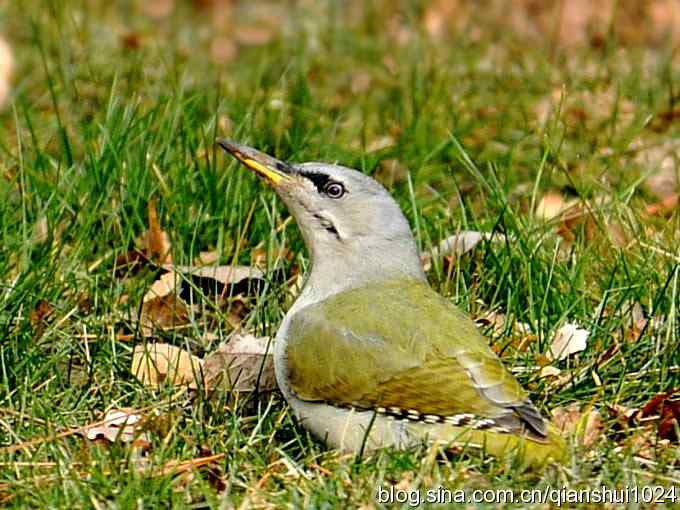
(401,345)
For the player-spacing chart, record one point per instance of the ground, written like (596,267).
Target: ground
(560,137)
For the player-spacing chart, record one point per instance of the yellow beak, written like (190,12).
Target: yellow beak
(273,170)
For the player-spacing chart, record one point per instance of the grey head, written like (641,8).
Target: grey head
(353,228)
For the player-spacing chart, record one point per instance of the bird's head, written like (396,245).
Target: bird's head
(353,228)
(336,208)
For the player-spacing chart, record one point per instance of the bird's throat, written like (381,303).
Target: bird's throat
(348,267)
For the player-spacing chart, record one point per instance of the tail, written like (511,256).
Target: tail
(529,452)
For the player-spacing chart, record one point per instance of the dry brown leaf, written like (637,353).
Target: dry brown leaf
(6,69)
(163,313)
(130,41)
(498,321)
(391,172)
(238,311)
(444,16)
(207,258)
(162,307)
(39,317)
(223,50)
(661,160)
(207,465)
(118,424)
(586,425)
(360,82)
(569,339)
(226,275)
(664,411)
(244,363)
(550,371)
(554,205)
(665,207)
(158,8)
(130,263)
(41,230)
(157,240)
(458,244)
(153,364)
(258,254)
(253,35)
(164,286)
(380,143)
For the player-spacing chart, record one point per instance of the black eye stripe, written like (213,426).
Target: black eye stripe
(283,167)
(319,180)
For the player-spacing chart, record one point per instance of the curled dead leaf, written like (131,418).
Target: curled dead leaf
(153,364)
(391,172)
(550,371)
(569,339)
(253,35)
(158,8)
(664,411)
(458,244)
(163,313)
(6,68)
(554,205)
(223,50)
(380,143)
(586,425)
(244,363)
(118,425)
(157,241)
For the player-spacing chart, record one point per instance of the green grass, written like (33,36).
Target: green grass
(95,130)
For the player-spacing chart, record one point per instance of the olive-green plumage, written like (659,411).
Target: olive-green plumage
(419,353)
(370,355)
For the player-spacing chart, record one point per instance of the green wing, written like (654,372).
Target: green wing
(402,349)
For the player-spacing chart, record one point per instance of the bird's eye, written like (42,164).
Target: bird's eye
(334,190)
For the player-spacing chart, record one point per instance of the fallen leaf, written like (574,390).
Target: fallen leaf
(244,363)
(258,254)
(391,172)
(39,317)
(118,425)
(665,412)
(568,340)
(442,16)
(498,321)
(238,311)
(586,425)
(360,82)
(253,35)
(153,364)
(458,244)
(225,275)
(164,286)
(665,207)
(550,371)
(6,69)
(157,241)
(163,313)
(162,307)
(380,143)
(130,263)
(553,205)
(223,50)
(207,258)
(41,230)
(130,41)
(636,323)
(216,281)
(207,465)
(158,8)
(662,182)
